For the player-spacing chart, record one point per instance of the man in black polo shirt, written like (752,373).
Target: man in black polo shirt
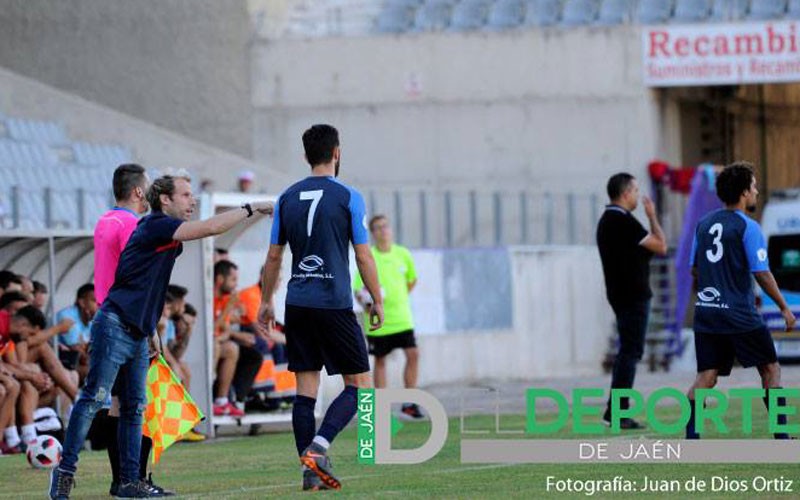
(625,249)
(128,317)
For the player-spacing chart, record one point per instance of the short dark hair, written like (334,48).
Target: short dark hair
(34,316)
(163,185)
(319,142)
(39,287)
(223,268)
(177,291)
(190,310)
(9,297)
(618,184)
(734,180)
(84,290)
(8,277)
(127,177)
(169,298)
(376,218)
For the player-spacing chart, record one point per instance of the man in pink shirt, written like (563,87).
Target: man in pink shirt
(111,234)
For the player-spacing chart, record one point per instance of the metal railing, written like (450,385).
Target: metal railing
(50,208)
(484,218)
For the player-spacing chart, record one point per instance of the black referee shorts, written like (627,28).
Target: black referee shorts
(330,337)
(717,351)
(382,345)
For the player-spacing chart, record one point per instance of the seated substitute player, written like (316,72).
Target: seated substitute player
(728,247)
(319,217)
(73,345)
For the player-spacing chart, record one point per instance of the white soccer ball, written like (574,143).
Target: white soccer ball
(44,453)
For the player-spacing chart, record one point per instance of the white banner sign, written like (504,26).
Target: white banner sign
(721,54)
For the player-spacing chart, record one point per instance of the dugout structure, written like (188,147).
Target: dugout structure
(64,260)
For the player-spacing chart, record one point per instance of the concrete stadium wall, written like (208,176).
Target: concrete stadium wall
(555,109)
(181,64)
(152,146)
(561,326)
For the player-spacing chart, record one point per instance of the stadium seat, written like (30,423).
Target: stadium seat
(654,11)
(613,12)
(793,9)
(579,12)
(728,10)
(542,12)
(766,9)
(469,15)
(46,133)
(395,19)
(23,154)
(100,154)
(689,11)
(505,14)
(413,4)
(434,15)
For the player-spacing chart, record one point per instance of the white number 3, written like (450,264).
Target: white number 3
(716,255)
(314,197)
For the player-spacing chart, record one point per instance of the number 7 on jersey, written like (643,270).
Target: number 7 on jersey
(313,197)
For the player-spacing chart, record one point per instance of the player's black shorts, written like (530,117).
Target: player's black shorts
(718,350)
(381,345)
(331,337)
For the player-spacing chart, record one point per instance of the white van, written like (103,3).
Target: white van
(781,226)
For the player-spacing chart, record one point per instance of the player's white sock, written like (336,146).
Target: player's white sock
(29,433)
(322,442)
(221,401)
(11,437)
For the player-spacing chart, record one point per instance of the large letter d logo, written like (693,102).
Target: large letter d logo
(384,454)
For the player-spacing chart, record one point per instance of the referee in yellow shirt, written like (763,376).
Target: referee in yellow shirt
(397,276)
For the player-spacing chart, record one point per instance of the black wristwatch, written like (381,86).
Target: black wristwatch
(249,209)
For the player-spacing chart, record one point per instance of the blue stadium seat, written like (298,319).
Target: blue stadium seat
(542,12)
(505,14)
(690,11)
(47,133)
(403,3)
(579,12)
(793,10)
(434,15)
(728,10)
(766,9)
(613,12)
(395,19)
(469,15)
(23,154)
(654,11)
(100,154)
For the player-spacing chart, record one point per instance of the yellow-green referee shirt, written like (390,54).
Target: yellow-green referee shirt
(395,271)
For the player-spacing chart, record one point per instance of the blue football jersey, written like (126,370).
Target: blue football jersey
(319,217)
(728,247)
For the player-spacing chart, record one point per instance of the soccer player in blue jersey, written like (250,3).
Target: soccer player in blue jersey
(319,217)
(728,250)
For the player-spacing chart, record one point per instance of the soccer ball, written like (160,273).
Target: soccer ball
(44,453)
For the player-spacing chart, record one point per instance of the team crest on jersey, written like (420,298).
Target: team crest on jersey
(311,263)
(709,294)
(710,297)
(762,254)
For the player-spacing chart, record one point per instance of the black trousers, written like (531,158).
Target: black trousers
(632,327)
(247,367)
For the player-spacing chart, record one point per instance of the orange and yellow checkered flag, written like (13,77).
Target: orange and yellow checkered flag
(171,412)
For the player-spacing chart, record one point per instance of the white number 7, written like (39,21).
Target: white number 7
(314,197)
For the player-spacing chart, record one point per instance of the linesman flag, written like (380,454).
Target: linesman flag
(171,412)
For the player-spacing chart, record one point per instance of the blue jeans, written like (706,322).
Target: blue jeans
(112,348)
